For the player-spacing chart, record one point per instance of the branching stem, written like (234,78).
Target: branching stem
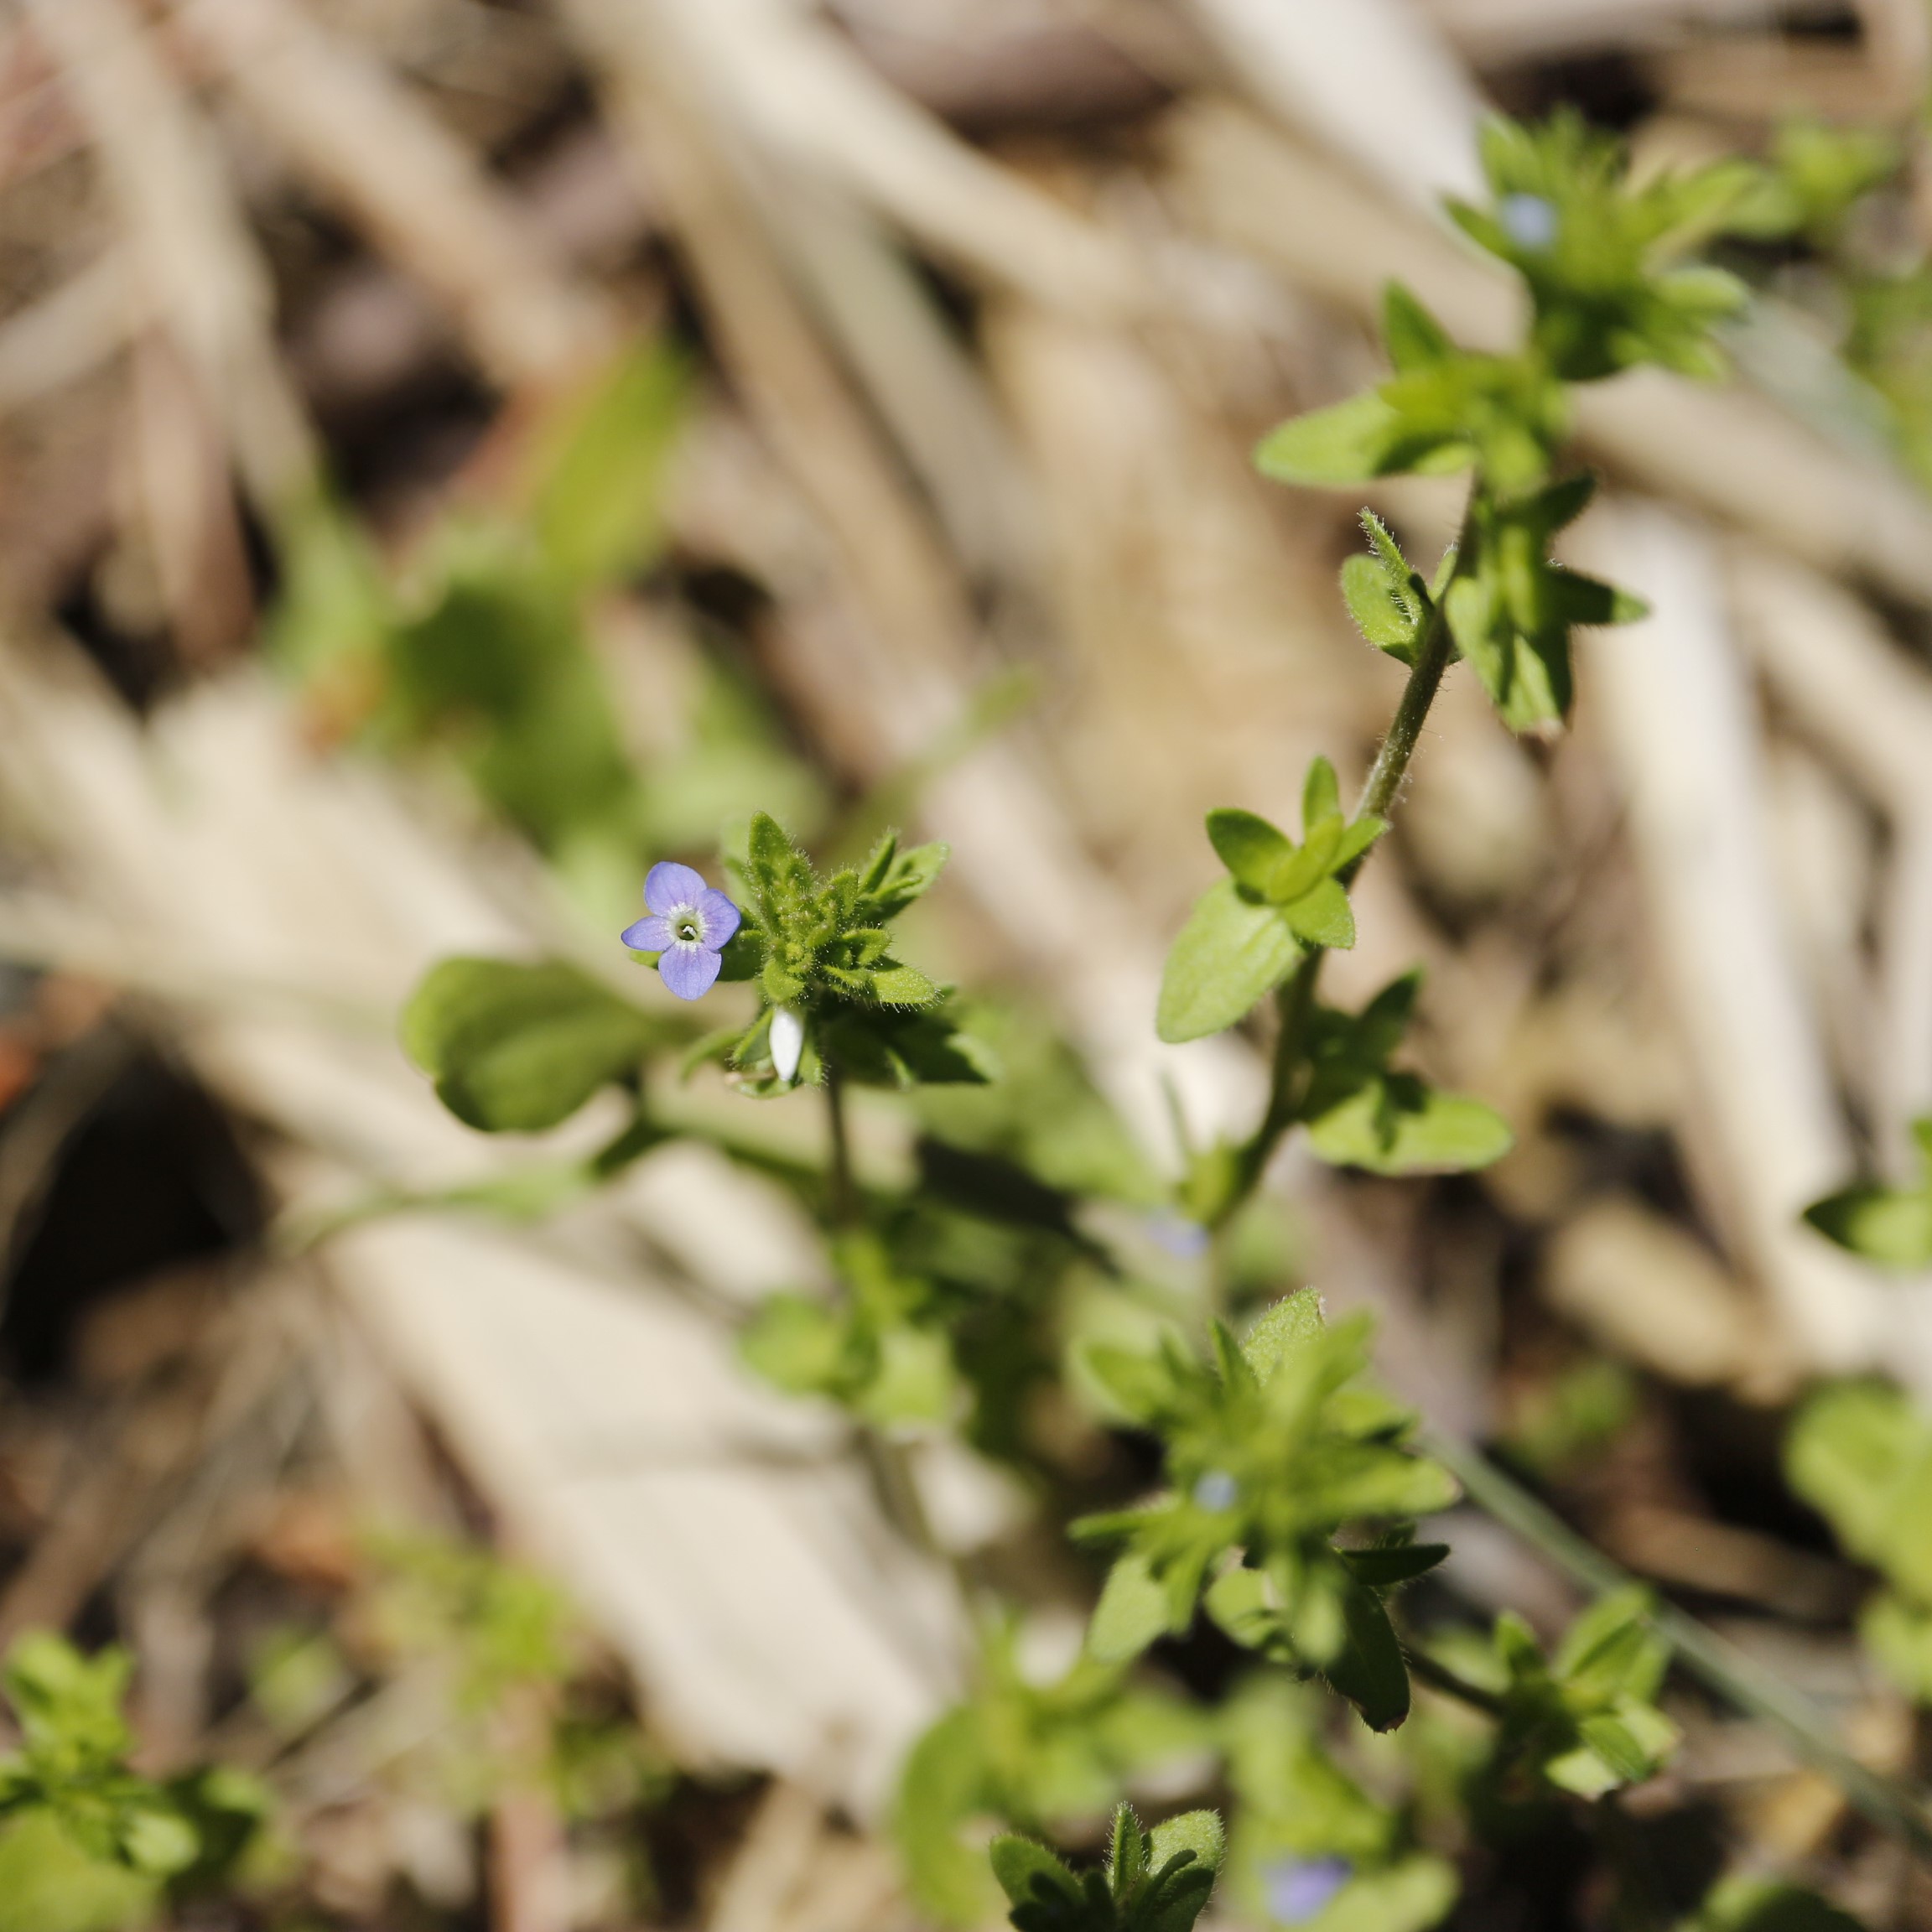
(1717,1664)
(1295,999)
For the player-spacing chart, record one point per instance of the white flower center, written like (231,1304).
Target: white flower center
(688,926)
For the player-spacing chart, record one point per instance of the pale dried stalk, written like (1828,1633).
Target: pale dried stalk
(1499,30)
(70,333)
(1677,711)
(1830,660)
(781,79)
(188,236)
(1312,64)
(355,134)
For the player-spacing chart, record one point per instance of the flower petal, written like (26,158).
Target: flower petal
(666,886)
(721,918)
(651,935)
(786,1037)
(688,969)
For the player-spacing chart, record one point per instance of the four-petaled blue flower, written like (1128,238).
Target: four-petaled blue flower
(1294,1890)
(689,921)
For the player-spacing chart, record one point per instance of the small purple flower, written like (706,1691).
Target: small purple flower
(1294,1890)
(1528,221)
(688,923)
(1217,1490)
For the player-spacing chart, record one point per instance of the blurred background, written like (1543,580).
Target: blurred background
(453,453)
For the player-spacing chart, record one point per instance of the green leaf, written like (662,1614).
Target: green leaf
(1293,1321)
(1394,1125)
(1396,1563)
(1132,1613)
(1890,1226)
(939,1789)
(1369,1669)
(1231,953)
(518,1048)
(887,888)
(1898,1635)
(1379,613)
(898,985)
(1199,1832)
(157,1842)
(1238,1601)
(1407,1897)
(1251,848)
(1027,1871)
(595,504)
(1321,797)
(1322,917)
(1350,442)
(1413,337)
(1752,1903)
(797,1344)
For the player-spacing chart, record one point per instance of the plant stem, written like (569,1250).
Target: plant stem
(1452,1683)
(1295,999)
(844,1192)
(1717,1663)
(1399,742)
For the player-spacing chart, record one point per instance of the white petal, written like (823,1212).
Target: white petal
(787,1038)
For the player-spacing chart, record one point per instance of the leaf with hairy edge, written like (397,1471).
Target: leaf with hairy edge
(1231,953)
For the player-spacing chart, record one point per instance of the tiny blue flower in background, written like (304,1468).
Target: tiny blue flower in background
(1185,1239)
(1528,220)
(1217,1490)
(689,921)
(1294,1890)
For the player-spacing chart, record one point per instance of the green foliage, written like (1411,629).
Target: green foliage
(492,662)
(1557,1424)
(72,1772)
(1603,257)
(1817,173)
(1247,933)
(1043,1113)
(1294,1805)
(1444,409)
(1511,609)
(1361,1113)
(1584,1721)
(1039,1755)
(1391,605)
(827,962)
(1272,1452)
(518,1048)
(1157,1881)
(598,471)
(1892,1226)
(1861,1454)
(1745,1903)
(498,1624)
(49,1884)
(881,1351)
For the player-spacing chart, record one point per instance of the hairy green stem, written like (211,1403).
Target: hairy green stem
(844,1192)
(1295,999)
(1391,767)
(1717,1663)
